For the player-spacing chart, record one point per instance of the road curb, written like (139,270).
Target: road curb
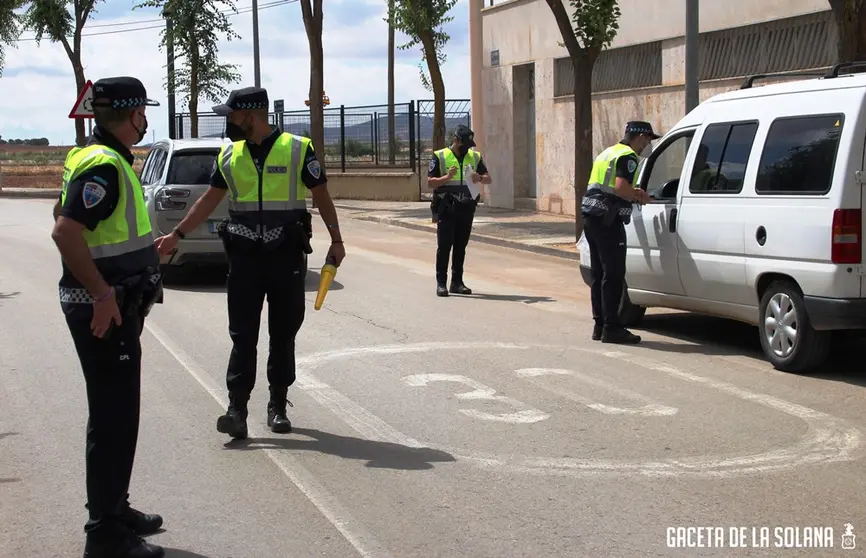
(31,193)
(484,239)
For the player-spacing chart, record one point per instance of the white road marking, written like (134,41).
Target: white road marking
(650,408)
(352,530)
(829,439)
(525,414)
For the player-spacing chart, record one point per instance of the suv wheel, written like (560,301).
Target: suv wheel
(787,337)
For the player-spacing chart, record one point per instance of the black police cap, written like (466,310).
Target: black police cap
(248,98)
(464,134)
(641,127)
(121,93)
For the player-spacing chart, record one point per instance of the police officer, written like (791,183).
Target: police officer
(453,206)
(606,209)
(267,174)
(109,263)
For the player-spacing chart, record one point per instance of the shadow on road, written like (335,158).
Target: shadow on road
(311,284)
(9,480)
(6,296)
(718,336)
(526,299)
(177,553)
(380,455)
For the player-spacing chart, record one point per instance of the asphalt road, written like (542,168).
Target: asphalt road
(482,426)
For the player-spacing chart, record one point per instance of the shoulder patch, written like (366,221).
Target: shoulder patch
(314,168)
(432,164)
(632,165)
(92,194)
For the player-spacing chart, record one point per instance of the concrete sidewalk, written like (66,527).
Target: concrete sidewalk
(523,230)
(52,193)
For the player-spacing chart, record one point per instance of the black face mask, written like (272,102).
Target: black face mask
(142,132)
(235,132)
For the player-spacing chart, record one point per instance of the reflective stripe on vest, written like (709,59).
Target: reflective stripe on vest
(278,194)
(604,168)
(448,159)
(128,228)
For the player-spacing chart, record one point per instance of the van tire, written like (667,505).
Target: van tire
(811,348)
(630,315)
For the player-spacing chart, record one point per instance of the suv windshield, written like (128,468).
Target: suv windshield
(191,167)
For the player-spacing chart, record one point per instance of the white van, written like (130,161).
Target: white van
(757,215)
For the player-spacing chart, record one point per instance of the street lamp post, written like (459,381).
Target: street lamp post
(256,61)
(167,14)
(692,46)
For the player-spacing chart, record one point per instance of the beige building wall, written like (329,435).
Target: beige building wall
(525,36)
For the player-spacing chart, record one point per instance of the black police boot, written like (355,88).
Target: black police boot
(597,330)
(234,422)
(619,336)
(277,419)
(457,287)
(120,546)
(139,522)
(441,290)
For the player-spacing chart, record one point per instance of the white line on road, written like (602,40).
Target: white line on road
(352,530)
(829,439)
(524,415)
(650,408)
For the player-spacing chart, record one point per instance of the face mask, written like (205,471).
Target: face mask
(463,150)
(234,132)
(141,132)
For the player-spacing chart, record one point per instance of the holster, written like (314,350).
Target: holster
(223,233)
(136,296)
(302,236)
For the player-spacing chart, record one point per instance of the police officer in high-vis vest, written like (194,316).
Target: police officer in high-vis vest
(267,174)
(109,281)
(606,209)
(453,206)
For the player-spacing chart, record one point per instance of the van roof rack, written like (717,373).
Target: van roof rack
(749,81)
(834,72)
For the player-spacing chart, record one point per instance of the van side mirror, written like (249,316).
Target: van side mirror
(670,188)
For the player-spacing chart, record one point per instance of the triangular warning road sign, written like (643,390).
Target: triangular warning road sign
(83,107)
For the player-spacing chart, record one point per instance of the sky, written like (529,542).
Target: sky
(38,85)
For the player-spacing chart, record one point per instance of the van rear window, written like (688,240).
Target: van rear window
(800,155)
(191,167)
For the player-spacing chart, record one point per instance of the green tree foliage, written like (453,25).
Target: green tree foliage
(422,21)
(10,26)
(195,33)
(592,27)
(61,21)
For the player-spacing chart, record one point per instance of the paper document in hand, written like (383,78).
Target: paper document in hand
(474,188)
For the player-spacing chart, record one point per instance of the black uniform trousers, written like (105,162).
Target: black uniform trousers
(453,228)
(112,374)
(607,249)
(257,272)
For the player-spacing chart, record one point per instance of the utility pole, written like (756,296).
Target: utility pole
(169,24)
(256,62)
(391,112)
(692,46)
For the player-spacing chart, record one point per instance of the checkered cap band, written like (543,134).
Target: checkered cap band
(128,103)
(251,105)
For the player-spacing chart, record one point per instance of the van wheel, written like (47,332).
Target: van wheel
(787,336)
(630,315)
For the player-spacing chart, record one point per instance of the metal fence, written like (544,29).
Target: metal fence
(355,137)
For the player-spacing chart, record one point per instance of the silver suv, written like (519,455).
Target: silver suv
(175,174)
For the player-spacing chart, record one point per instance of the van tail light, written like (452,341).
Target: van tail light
(847,236)
(164,201)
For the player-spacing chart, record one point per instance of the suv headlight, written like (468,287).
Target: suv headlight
(164,201)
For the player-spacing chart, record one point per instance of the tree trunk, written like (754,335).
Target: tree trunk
(851,25)
(78,70)
(438,89)
(583,155)
(193,90)
(313,25)
(392,144)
